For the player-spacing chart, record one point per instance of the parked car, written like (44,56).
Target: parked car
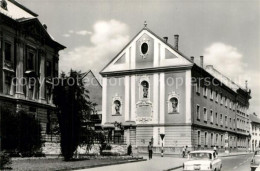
(255,161)
(203,160)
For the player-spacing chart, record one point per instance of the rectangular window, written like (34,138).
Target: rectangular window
(216,118)
(48,69)
(198,112)
(216,96)
(211,94)
(211,139)
(198,86)
(221,119)
(230,122)
(226,121)
(211,116)
(221,98)
(8,51)
(30,61)
(234,123)
(205,114)
(221,140)
(216,139)
(205,91)
(206,138)
(199,138)
(226,104)
(8,84)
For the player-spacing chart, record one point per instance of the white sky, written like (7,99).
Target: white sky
(226,32)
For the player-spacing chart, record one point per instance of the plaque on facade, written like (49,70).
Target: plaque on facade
(144,111)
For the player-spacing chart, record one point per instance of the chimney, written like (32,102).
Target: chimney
(192,58)
(201,61)
(176,41)
(45,26)
(165,39)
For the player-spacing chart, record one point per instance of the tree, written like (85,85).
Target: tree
(73,109)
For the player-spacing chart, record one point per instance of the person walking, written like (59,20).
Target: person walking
(215,149)
(183,151)
(150,150)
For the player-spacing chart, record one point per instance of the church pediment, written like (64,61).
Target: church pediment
(146,51)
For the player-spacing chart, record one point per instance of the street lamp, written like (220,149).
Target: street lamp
(162,136)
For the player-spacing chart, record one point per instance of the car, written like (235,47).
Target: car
(255,160)
(203,160)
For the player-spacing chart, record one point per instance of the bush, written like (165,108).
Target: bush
(4,159)
(21,133)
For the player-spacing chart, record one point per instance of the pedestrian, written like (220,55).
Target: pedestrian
(150,150)
(183,152)
(215,149)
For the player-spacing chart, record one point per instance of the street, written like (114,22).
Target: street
(236,163)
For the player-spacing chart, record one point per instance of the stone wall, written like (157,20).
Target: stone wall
(50,148)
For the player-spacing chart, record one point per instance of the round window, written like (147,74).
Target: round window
(144,48)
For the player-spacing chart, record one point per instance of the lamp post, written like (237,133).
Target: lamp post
(162,136)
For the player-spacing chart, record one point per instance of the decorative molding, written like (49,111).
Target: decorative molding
(117,98)
(147,79)
(147,41)
(147,107)
(172,95)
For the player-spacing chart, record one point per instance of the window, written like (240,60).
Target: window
(226,121)
(8,51)
(211,139)
(230,121)
(198,86)
(221,119)
(216,139)
(211,116)
(221,140)
(211,94)
(198,112)
(199,138)
(226,104)
(48,69)
(206,138)
(230,104)
(144,48)
(8,84)
(234,123)
(205,91)
(216,118)
(216,96)
(221,99)
(205,114)
(30,61)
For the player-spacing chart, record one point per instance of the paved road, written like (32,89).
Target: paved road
(235,163)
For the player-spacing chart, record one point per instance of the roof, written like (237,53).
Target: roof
(20,14)
(16,11)
(254,118)
(90,72)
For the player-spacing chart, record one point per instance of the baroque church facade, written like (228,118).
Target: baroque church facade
(150,89)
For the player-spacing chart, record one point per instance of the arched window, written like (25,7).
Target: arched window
(145,89)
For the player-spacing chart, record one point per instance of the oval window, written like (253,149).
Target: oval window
(144,48)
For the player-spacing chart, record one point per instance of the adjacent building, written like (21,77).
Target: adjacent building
(152,90)
(255,132)
(29,59)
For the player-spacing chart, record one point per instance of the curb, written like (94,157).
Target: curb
(105,164)
(177,167)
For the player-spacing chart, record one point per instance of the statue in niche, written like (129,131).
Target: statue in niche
(145,89)
(117,107)
(174,102)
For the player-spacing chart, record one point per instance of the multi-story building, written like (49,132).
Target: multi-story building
(151,90)
(29,60)
(255,132)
